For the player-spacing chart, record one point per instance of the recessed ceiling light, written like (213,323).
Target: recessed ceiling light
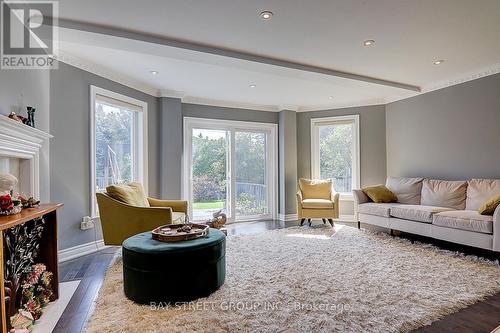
(154,72)
(438,62)
(330,97)
(266,15)
(369,42)
(252,86)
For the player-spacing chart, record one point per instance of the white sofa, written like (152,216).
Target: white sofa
(446,210)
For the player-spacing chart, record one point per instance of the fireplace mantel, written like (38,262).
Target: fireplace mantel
(21,141)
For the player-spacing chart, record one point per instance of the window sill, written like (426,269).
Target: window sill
(346,197)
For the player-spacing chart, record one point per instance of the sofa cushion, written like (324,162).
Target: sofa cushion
(378,209)
(408,190)
(479,191)
(316,188)
(489,207)
(379,193)
(444,193)
(131,194)
(469,220)
(416,212)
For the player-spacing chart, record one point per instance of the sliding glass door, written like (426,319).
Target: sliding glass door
(230,166)
(251,183)
(210,176)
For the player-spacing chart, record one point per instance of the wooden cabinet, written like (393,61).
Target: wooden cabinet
(48,247)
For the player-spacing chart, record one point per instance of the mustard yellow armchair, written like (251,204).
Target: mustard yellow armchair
(119,220)
(317,199)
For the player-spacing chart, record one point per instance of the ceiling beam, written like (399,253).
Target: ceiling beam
(134,35)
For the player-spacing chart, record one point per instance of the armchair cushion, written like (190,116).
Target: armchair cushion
(317,204)
(131,194)
(315,188)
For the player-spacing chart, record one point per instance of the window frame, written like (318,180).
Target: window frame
(316,124)
(139,138)
(190,123)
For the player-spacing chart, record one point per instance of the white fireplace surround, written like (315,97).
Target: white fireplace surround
(20,141)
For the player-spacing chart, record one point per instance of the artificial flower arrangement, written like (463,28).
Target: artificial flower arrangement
(36,295)
(10,205)
(36,290)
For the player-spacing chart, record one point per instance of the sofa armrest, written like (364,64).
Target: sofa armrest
(360,197)
(496,229)
(180,206)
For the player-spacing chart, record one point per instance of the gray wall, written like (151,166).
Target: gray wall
(217,112)
(20,88)
(70,148)
(171,147)
(372,141)
(452,133)
(287,140)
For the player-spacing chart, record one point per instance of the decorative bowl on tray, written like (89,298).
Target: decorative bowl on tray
(180,232)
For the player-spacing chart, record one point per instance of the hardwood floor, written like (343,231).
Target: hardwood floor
(91,269)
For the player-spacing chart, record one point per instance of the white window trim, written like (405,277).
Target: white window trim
(216,124)
(142,144)
(315,164)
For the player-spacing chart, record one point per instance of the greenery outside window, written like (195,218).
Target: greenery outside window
(335,151)
(118,145)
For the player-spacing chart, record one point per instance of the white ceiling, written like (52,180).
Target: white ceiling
(409,36)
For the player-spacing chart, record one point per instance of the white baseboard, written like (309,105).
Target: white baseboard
(288,217)
(80,250)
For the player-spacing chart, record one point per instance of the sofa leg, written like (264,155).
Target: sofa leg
(359,225)
(392,233)
(309,221)
(302,222)
(324,221)
(331,222)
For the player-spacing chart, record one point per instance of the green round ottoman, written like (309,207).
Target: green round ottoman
(155,271)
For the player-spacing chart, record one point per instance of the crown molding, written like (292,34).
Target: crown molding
(171,93)
(483,72)
(230,104)
(98,70)
(471,76)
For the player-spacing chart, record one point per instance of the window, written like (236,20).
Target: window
(335,151)
(230,166)
(119,150)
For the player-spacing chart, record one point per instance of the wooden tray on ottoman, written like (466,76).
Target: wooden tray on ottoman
(173,232)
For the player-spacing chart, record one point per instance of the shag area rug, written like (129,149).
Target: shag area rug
(313,280)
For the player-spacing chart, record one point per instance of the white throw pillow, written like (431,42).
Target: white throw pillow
(408,190)
(479,191)
(444,193)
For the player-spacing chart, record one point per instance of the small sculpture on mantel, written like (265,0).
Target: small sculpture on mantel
(31,116)
(16,117)
(7,183)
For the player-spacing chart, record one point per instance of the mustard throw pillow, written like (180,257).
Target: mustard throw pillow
(131,194)
(380,193)
(316,188)
(488,208)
